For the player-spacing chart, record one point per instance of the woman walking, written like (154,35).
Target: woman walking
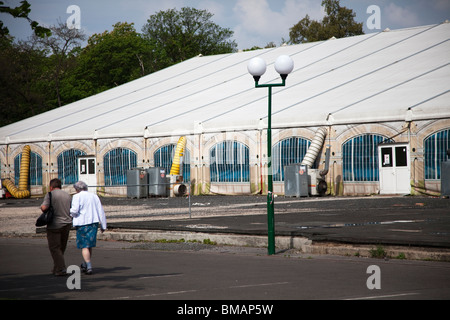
(87,213)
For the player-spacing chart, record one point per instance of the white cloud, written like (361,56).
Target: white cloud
(258,24)
(443,5)
(296,10)
(216,8)
(394,15)
(255,16)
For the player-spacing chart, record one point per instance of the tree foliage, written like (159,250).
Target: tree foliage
(339,22)
(22,11)
(187,33)
(23,81)
(62,43)
(109,59)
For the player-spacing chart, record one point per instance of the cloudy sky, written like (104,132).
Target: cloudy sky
(254,22)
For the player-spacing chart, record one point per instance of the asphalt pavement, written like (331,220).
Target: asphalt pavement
(189,271)
(193,275)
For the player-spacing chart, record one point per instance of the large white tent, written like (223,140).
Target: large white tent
(394,76)
(386,76)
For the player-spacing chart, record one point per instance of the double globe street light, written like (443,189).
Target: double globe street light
(257,67)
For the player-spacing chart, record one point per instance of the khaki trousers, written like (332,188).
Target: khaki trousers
(57,243)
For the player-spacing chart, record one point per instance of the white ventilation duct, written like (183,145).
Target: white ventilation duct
(315,147)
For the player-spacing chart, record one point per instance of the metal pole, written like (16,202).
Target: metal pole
(270,204)
(270,198)
(190,213)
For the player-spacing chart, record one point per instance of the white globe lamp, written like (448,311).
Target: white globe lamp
(284,66)
(257,67)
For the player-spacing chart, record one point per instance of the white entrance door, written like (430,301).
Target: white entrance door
(87,172)
(395,171)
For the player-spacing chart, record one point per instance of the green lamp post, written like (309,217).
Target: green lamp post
(257,67)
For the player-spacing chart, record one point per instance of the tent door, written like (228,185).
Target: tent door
(395,171)
(87,172)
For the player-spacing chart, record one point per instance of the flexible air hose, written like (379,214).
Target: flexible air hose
(24,169)
(22,191)
(175,170)
(314,149)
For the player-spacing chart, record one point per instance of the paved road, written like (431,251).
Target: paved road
(181,272)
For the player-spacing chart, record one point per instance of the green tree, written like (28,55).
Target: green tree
(62,43)
(110,59)
(22,11)
(339,22)
(181,35)
(24,87)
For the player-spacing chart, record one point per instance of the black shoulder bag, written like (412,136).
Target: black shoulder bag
(46,217)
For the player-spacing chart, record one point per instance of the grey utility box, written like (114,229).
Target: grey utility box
(158,183)
(296,181)
(137,183)
(445,178)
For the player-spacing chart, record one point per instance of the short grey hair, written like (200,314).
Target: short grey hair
(80,186)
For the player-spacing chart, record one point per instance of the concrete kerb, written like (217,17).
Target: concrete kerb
(387,252)
(297,244)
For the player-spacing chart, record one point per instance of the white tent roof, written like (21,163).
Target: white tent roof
(379,77)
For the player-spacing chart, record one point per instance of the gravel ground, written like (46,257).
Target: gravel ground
(18,216)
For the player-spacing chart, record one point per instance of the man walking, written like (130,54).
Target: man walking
(58,230)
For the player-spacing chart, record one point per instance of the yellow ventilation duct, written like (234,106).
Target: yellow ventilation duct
(22,191)
(179,152)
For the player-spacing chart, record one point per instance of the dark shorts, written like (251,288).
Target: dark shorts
(87,236)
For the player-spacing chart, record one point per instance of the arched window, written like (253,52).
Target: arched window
(68,166)
(360,158)
(230,162)
(286,152)
(435,152)
(164,157)
(35,176)
(116,164)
